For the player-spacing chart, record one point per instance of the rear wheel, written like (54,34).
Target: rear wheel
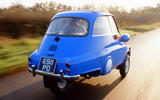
(124,68)
(55,85)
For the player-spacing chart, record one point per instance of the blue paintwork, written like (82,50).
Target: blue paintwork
(85,54)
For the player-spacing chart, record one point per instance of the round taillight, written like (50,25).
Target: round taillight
(67,70)
(68,64)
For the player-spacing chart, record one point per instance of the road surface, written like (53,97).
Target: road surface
(141,83)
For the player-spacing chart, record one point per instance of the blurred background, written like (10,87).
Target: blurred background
(23,23)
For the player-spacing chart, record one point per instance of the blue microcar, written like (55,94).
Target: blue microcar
(80,43)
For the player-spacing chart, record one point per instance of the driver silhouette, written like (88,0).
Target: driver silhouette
(74,27)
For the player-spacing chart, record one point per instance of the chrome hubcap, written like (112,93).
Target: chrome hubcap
(62,84)
(109,65)
(127,65)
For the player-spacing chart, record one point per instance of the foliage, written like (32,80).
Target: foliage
(148,15)
(18,21)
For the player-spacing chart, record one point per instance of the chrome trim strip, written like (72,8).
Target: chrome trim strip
(55,75)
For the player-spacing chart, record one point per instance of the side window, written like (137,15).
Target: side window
(113,25)
(102,26)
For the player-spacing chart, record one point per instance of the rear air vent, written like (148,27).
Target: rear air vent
(53,48)
(50,54)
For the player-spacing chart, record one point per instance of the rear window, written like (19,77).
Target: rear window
(70,26)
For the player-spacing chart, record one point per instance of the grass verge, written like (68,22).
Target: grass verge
(14,53)
(134,30)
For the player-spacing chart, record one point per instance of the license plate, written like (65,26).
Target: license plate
(47,64)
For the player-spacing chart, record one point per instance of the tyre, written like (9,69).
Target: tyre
(56,86)
(124,68)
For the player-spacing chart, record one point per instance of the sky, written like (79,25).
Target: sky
(126,4)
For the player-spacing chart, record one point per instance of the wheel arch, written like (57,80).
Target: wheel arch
(128,52)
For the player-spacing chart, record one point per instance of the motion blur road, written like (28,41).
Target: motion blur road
(141,83)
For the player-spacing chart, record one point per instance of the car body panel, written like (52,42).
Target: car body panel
(85,54)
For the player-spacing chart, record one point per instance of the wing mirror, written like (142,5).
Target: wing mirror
(125,38)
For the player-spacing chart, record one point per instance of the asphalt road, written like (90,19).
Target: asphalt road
(141,83)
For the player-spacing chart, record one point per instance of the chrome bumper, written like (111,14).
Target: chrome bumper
(60,76)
